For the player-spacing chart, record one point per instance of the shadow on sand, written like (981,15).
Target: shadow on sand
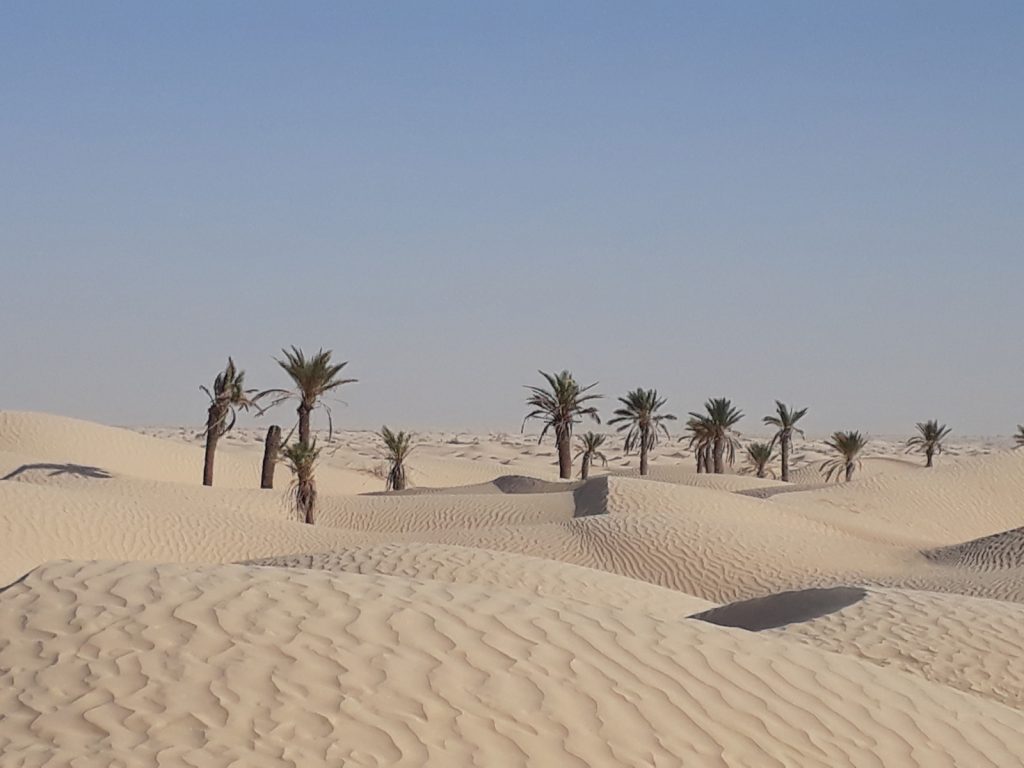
(54,470)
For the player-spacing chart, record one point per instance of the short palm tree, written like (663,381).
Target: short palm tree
(928,440)
(560,407)
(759,456)
(399,446)
(1018,438)
(721,417)
(590,451)
(640,419)
(314,377)
(848,447)
(229,396)
(301,459)
(702,442)
(784,420)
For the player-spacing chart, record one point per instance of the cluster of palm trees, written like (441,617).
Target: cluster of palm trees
(711,433)
(564,404)
(313,379)
(560,406)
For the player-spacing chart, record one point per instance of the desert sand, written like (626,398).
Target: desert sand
(492,615)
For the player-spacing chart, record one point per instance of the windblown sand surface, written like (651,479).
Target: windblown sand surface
(495,616)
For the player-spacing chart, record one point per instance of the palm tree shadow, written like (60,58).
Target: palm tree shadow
(55,470)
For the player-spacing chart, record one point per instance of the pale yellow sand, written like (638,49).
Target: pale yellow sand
(175,665)
(580,657)
(968,643)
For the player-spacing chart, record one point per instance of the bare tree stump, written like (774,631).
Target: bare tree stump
(271,447)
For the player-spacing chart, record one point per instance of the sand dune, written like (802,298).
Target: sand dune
(495,615)
(281,667)
(480,567)
(972,644)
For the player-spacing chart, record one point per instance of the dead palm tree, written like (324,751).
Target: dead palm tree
(848,446)
(314,377)
(702,442)
(301,459)
(271,453)
(229,396)
(590,451)
(639,419)
(399,446)
(721,417)
(928,440)
(561,407)
(784,420)
(759,456)
(1018,438)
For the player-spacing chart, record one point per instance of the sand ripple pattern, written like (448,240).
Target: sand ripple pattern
(972,644)
(138,665)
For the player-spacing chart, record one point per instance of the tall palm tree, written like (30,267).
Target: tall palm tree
(702,442)
(721,416)
(399,446)
(784,420)
(928,440)
(229,396)
(301,459)
(1018,438)
(314,377)
(590,451)
(560,407)
(759,456)
(848,446)
(640,420)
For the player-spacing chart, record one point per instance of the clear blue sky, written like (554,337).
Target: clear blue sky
(820,202)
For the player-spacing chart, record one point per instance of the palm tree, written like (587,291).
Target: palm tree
(301,459)
(399,446)
(702,442)
(848,446)
(228,397)
(928,439)
(639,419)
(759,456)
(560,407)
(590,451)
(313,377)
(721,416)
(784,421)
(1018,438)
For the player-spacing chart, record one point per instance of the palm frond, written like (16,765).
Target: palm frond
(229,395)
(848,446)
(562,405)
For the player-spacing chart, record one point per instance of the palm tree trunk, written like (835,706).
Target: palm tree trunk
(708,463)
(760,471)
(304,414)
(929,453)
(585,467)
(719,455)
(271,446)
(212,436)
(399,484)
(849,471)
(643,453)
(701,469)
(785,458)
(564,454)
